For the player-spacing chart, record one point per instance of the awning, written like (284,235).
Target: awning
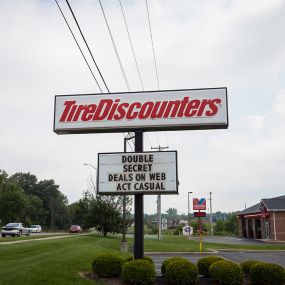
(259,215)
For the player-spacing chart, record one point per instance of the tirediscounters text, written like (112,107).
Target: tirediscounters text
(141,172)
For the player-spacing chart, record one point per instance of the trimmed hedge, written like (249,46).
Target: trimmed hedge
(205,263)
(181,272)
(128,258)
(138,272)
(168,260)
(107,265)
(246,266)
(148,259)
(267,274)
(226,272)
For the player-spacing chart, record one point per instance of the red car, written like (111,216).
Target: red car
(75,229)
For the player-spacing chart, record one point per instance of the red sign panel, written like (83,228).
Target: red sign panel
(199,214)
(199,204)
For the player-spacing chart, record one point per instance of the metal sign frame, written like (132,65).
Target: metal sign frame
(145,192)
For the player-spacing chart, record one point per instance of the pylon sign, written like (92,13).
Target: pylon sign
(148,111)
(199,204)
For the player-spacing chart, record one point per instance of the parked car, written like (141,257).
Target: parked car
(75,229)
(15,229)
(35,229)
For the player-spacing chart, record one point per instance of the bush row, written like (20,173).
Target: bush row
(179,270)
(137,272)
(261,273)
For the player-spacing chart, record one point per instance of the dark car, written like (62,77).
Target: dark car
(75,229)
(15,229)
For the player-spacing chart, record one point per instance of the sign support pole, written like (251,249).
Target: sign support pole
(200,233)
(139,227)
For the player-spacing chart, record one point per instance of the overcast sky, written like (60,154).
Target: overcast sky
(198,44)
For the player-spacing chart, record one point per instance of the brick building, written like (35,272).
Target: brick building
(265,220)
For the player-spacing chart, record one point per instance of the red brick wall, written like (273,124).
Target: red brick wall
(279,224)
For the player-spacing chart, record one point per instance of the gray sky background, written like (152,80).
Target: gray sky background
(237,44)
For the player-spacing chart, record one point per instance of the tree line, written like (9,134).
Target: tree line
(23,198)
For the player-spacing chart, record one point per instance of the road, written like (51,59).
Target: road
(42,236)
(234,240)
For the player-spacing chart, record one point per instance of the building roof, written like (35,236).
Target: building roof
(272,204)
(250,210)
(277,203)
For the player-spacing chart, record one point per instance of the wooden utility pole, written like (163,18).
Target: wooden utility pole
(159,148)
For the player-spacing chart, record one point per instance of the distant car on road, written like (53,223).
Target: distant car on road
(75,229)
(15,229)
(35,229)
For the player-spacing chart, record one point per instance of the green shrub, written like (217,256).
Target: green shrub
(168,260)
(148,259)
(246,265)
(181,272)
(226,272)
(107,265)
(266,274)
(138,272)
(128,258)
(205,263)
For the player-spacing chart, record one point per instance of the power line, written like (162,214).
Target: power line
(153,52)
(154,56)
(77,44)
(135,58)
(87,45)
(132,47)
(115,48)
(82,51)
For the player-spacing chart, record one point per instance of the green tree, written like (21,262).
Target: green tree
(26,181)
(34,209)
(12,200)
(172,216)
(105,215)
(231,224)
(79,211)
(54,204)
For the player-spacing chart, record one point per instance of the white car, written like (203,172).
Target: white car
(35,229)
(15,229)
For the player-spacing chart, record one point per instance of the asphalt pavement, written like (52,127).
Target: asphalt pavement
(240,241)
(277,257)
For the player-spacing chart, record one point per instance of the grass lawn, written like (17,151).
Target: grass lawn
(58,261)
(53,262)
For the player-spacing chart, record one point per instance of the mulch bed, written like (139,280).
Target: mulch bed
(159,280)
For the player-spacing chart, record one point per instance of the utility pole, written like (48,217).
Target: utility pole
(211,214)
(124,242)
(189,236)
(159,148)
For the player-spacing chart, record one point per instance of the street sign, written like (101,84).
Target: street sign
(199,214)
(149,111)
(134,173)
(164,224)
(199,204)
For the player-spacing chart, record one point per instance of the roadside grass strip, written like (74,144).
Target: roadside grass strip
(36,238)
